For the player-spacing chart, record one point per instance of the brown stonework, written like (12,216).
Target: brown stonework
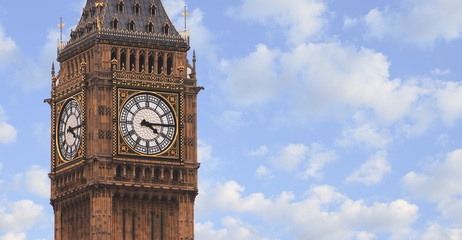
(108,190)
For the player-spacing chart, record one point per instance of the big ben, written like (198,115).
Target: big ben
(123,126)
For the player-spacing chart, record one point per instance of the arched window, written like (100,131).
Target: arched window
(150,27)
(141,62)
(131,25)
(147,173)
(176,175)
(169,64)
(132,61)
(114,56)
(151,63)
(153,10)
(120,7)
(166,175)
(137,8)
(123,59)
(138,173)
(115,24)
(156,174)
(160,63)
(119,171)
(166,29)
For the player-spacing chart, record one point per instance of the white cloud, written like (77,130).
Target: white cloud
(230,120)
(8,48)
(318,156)
(263,171)
(251,80)
(300,20)
(38,70)
(298,156)
(419,22)
(366,135)
(201,38)
(20,215)
(13,236)
(440,183)
(262,150)
(290,157)
(435,231)
(440,72)
(7,131)
(322,213)
(350,22)
(440,180)
(372,171)
(449,101)
(205,156)
(233,229)
(321,78)
(37,181)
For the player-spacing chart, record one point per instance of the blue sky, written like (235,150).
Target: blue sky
(321,119)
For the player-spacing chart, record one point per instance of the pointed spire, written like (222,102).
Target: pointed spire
(53,69)
(53,76)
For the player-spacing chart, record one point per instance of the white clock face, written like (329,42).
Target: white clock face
(69,130)
(147,124)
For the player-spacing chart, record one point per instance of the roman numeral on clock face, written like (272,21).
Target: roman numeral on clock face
(147,123)
(69,130)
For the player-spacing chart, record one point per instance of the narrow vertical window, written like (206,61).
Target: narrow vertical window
(166,29)
(141,61)
(152,225)
(169,64)
(123,225)
(160,64)
(131,25)
(153,10)
(150,27)
(133,226)
(119,171)
(115,24)
(120,7)
(162,227)
(132,61)
(137,8)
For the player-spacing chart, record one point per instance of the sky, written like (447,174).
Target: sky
(320,119)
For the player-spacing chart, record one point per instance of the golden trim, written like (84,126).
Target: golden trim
(125,95)
(58,158)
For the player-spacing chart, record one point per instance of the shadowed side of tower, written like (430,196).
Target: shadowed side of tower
(124,131)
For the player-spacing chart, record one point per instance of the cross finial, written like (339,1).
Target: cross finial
(61,25)
(185,14)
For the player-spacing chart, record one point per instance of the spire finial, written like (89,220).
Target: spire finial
(185,14)
(60,25)
(53,69)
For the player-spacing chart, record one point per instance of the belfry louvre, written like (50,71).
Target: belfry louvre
(124,126)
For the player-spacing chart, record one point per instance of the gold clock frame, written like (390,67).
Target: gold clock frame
(121,148)
(58,160)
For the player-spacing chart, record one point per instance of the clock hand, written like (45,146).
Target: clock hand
(149,125)
(71,130)
(146,123)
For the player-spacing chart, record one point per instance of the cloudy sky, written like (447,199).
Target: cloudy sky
(321,119)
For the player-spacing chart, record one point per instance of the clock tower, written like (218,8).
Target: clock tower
(123,126)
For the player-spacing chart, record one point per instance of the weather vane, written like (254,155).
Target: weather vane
(61,25)
(185,14)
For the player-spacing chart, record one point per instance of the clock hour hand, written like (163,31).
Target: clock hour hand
(149,125)
(71,130)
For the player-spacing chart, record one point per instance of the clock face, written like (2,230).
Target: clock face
(70,130)
(147,124)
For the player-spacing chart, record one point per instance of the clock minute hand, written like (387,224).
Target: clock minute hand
(149,125)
